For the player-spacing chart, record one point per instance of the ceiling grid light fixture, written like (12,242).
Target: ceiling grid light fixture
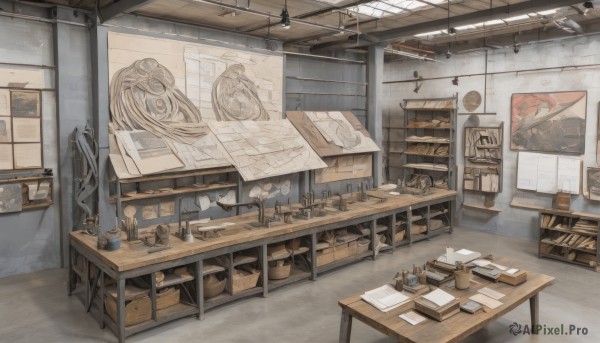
(285,17)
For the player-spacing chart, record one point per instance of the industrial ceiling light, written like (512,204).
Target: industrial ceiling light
(588,5)
(455,81)
(285,17)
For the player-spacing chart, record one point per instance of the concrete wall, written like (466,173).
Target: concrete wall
(37,240)
(576,51)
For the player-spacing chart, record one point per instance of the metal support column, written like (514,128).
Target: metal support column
(374,107)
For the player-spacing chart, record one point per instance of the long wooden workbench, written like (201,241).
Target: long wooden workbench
(133,260)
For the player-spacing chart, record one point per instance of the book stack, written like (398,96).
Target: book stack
(438,305)
(513,276)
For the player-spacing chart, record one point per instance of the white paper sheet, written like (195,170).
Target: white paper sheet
(568,178)
(412,317)
(485,301)
(527,170)
(512,271)
(546,174)
(491,293)
(439,297)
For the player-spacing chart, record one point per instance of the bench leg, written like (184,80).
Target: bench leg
(345,327)
(534,307)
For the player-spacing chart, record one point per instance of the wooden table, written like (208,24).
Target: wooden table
(133,260)
(453,329)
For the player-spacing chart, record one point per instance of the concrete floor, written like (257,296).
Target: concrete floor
(36,308)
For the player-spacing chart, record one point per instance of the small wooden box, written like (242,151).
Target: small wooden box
(136,311)
(167,298)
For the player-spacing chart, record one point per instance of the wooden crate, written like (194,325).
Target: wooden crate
(279,272)
(167,298)
(136,311)
(362,245)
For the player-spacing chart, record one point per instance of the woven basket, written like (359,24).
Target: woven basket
(399,236)
(213,286)
(279,272)
(243,280)
(362,245)
(136,311)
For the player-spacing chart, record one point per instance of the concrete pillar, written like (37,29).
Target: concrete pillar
(72,108)
(374,107)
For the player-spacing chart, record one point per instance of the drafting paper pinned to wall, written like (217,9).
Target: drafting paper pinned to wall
(10,198)
(548,173)
(260,149)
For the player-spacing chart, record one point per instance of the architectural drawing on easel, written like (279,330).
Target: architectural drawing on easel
(260,149)
(227,84)
(333,133)
(549,122)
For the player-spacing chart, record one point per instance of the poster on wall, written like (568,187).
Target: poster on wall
(549,122)
(20,129)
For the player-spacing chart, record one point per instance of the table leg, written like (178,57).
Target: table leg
(72,276)
(534,307)
(102,300)
(345,327)
(121,310)
(200,288)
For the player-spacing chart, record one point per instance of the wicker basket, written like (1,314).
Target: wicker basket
(167,298)
(213,286)
(243,280)
(362,245)
(279,271)
(136,311)
(399,236)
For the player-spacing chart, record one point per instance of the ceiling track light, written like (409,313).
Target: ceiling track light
(285,17)
(455,81)
(588,5)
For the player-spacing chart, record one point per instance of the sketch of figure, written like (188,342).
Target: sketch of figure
(235,97)
(144,96)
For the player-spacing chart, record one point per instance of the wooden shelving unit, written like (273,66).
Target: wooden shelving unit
(570,237)
(483,159)
(169,186)
(429,139)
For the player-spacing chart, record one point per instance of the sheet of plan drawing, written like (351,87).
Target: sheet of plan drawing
(260,149)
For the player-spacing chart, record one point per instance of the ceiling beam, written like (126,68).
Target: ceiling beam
(124,6)
(500,12)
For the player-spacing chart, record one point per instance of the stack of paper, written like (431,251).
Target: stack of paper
(439,297)
(385,298)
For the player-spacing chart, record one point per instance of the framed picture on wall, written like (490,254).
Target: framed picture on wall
(551,122)
(593,183)
(20,129)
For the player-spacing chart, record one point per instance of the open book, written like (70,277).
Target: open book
(385,298)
